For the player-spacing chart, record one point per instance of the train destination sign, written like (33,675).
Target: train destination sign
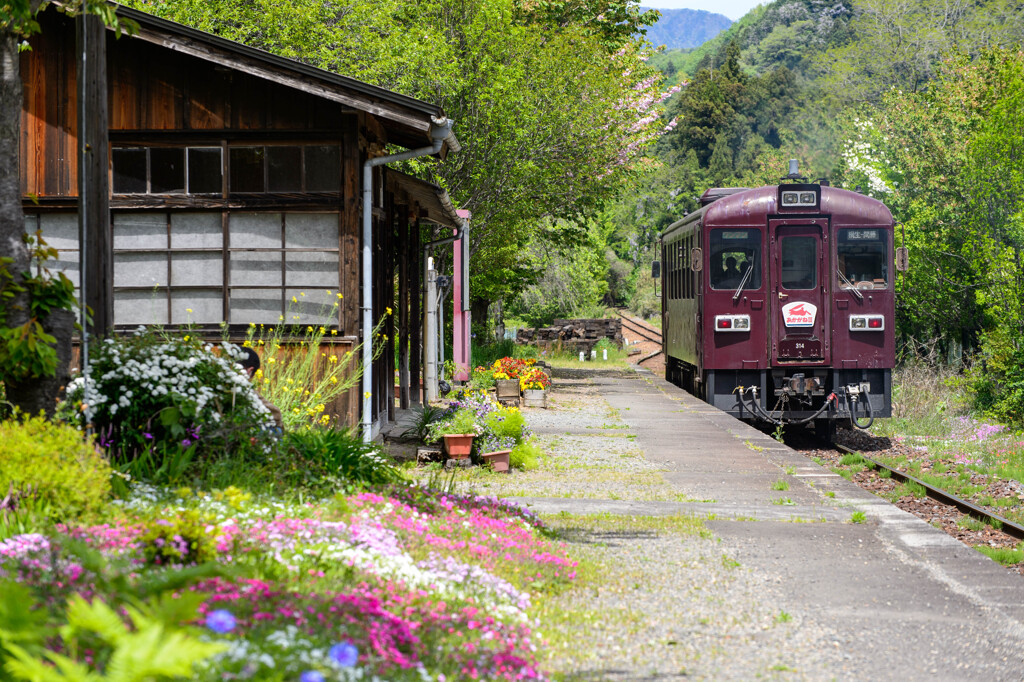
(799,314)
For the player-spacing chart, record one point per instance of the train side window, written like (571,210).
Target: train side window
(863,258)
(799,262)
(687,271)
(733,252)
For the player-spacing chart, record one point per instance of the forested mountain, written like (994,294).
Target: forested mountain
(686,28)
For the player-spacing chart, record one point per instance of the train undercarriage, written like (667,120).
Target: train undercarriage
(822,397)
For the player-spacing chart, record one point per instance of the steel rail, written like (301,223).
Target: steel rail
(640,329)
(1009,527)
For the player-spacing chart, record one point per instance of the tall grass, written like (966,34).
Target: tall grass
(300,376)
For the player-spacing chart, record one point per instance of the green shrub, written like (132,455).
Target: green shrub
(342,454)
(525,455)
(463,420)
(506,422)
(50,466)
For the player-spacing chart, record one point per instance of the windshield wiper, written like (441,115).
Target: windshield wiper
(743,282)
(850,284)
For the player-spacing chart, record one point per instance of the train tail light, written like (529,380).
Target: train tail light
(860,323)
(732,323)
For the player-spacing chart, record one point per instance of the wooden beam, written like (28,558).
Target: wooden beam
(94,226)
(415,308)
(402,226)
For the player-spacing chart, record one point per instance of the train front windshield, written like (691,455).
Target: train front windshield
(733,251)
(863,261)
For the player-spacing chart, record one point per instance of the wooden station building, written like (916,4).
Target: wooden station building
(231,188)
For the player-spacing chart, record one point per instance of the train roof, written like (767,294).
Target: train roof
(748,207)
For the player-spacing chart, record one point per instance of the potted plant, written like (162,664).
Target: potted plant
(458,431)
(497,452)
(535,384)
(506,377)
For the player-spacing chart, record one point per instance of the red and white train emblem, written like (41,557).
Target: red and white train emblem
(799,314)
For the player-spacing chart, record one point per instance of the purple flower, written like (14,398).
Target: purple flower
(311,676)
(185,443)
(149,436)
(344,654)
(220,621)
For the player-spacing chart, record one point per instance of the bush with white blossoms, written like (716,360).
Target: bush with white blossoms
(148,393)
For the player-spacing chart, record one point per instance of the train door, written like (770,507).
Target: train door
(800,281)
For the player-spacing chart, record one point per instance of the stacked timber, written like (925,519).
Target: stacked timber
(574,335)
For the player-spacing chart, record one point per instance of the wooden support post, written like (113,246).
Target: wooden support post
(97,263)
(403,305)
(415,311)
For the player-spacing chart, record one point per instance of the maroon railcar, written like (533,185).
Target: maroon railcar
(778,304)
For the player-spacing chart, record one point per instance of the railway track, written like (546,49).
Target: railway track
(939,495)
(650,336)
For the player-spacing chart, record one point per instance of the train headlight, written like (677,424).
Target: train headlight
(862,323)
(732,323)
(795,199)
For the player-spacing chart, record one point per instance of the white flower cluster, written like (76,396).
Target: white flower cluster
(861,157)
(121,373)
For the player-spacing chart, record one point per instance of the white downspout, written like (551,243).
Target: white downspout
(439,131)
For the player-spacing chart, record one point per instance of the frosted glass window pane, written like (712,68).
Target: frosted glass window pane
(262,268)
(60,230)
(262,306)
(66,263)
(256,230)
(315,269)
(140,230)
(316,307)
(197,269)
(311,230)
(207,306)
(196,230)
(140,307)
(140,269)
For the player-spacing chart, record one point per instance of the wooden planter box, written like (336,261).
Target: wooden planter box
(499,460)
(506,389)
(535,397)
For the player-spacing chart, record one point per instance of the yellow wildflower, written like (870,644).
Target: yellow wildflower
(340,296)
(334,380)
(302,293)
(294,300)
(334,358)
(188,310)
(388,309)
(334,332)
(187,337)
(252,325)
(309,329)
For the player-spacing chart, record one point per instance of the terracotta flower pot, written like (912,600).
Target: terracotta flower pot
(458,445)
(499,460)
(535,397)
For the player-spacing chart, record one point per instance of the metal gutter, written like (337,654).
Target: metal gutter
(441,132)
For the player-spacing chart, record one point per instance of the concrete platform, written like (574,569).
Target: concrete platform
(904,600)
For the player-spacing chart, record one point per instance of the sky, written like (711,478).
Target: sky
(734,9)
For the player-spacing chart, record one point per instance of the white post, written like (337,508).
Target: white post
(593,355)
(582,356)
(604,352)
(430,334)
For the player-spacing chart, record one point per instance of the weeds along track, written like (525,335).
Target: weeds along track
(963,503)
